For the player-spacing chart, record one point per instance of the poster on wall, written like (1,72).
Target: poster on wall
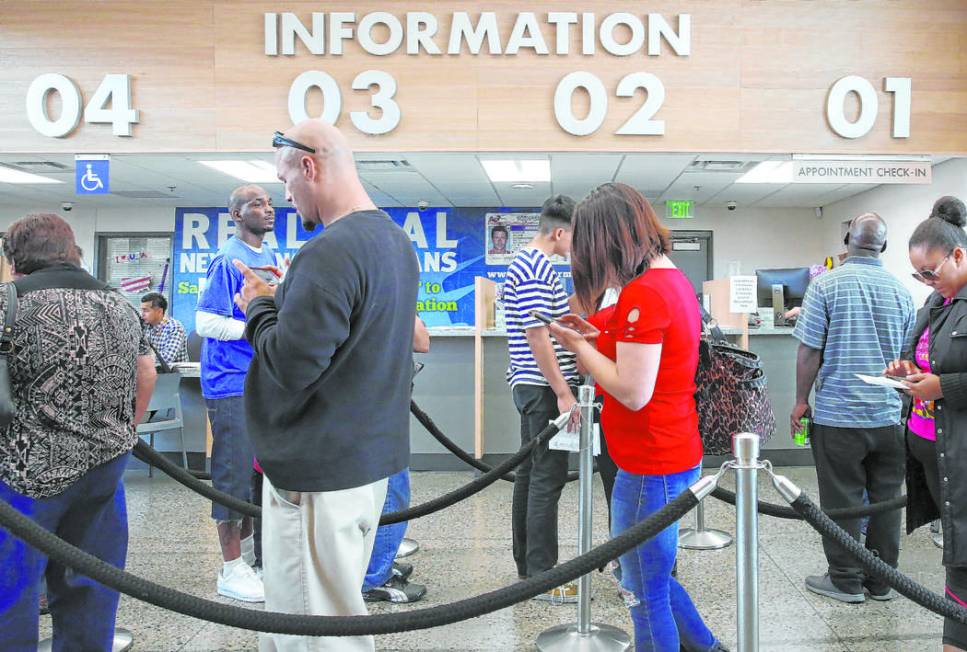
(508,233)
(450,245)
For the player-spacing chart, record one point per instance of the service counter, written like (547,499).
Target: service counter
(445,390)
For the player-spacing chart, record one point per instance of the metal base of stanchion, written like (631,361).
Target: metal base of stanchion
(600,638)
(123,641)
(407,548)
(692,539)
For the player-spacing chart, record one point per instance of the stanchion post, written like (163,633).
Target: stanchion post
(123,641)
(700,538)
(408,547)
(746,449)
(584,635)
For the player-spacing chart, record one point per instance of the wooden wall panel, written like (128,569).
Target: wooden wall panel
(756,80)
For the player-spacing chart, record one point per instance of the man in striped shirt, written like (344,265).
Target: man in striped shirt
(542,376)
(854,320)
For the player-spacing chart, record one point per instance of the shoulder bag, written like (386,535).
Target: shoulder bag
(8,409)
(731,392)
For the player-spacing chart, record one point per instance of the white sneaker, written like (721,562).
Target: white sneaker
(241,584)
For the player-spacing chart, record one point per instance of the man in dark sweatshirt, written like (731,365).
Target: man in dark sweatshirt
(327,394)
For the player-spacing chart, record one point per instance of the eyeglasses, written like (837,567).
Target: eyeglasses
(931,275)
(278,140)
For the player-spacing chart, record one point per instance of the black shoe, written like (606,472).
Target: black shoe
(397,591)
(402,570)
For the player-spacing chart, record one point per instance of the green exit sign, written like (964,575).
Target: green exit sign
(679,209)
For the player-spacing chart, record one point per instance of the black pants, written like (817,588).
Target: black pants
(537,490)
(924,451)
(607,469)
(850,461)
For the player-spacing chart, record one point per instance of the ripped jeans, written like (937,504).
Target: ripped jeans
(662,611)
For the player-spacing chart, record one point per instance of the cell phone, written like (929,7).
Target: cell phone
(267,273)
(541,316)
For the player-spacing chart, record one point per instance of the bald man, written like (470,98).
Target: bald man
(855,320)
(327,395)
(224,362)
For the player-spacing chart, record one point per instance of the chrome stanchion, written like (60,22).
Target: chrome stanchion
(585,635)
(746,449)
(407,547)
(123,641)
(699,538)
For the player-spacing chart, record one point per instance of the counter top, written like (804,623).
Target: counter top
(782,330)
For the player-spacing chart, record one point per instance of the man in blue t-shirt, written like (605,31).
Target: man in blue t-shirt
(225,360)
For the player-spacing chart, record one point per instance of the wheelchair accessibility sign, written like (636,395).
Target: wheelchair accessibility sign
(92,174)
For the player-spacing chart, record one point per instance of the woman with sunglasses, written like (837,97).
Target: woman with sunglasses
(935,369)
(644,360)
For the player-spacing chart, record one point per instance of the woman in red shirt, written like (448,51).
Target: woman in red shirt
(645,358)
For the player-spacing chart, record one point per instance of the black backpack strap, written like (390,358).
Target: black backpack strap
(6,336)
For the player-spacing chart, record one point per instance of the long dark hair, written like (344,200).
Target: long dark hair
(616,236)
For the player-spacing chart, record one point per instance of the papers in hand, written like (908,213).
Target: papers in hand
(882,381)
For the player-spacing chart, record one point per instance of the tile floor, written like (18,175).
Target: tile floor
(466,551)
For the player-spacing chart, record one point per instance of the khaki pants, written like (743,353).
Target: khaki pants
(315,550)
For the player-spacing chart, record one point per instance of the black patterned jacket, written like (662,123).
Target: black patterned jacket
(72,375)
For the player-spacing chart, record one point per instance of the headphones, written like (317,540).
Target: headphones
(846,240)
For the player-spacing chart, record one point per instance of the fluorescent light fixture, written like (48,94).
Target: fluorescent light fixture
(860,157)
(768,172)
(523,186)
(9,175)
(248,171)
(527,171)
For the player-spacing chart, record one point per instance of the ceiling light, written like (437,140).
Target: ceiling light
(250,171)
(9,175)
(768,172)
(523,186)
(534,170)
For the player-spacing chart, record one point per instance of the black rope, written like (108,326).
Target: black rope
(83,563)
(147,454)
(461,454)
(839,513)
(810,512)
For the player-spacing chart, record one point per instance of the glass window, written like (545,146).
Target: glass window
(136,265)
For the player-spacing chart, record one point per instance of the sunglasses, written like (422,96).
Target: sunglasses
(278,140)
(931,275)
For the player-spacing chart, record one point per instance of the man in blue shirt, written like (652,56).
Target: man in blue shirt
(854,320)
(225,359)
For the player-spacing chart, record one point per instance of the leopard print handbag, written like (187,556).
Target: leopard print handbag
(732,395)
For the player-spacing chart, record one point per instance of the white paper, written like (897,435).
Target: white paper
(881,381)
(742,294)
(571,441)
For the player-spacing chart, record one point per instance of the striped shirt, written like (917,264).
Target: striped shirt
(859,316)
(533,284)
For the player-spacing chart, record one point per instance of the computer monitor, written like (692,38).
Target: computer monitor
(793,283)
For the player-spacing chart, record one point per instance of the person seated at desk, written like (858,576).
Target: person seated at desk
(166,334)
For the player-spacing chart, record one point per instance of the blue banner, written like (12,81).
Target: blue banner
(453,246)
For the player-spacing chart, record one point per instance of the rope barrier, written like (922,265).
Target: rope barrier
(840,513)
(83,563)
(461,454)
(810,512)
(147,454)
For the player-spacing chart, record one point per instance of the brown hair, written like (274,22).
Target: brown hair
(40,240)
(616,235)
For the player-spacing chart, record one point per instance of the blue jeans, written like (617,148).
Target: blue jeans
(232,453)
(388,537)
(663,614)
(91,514)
